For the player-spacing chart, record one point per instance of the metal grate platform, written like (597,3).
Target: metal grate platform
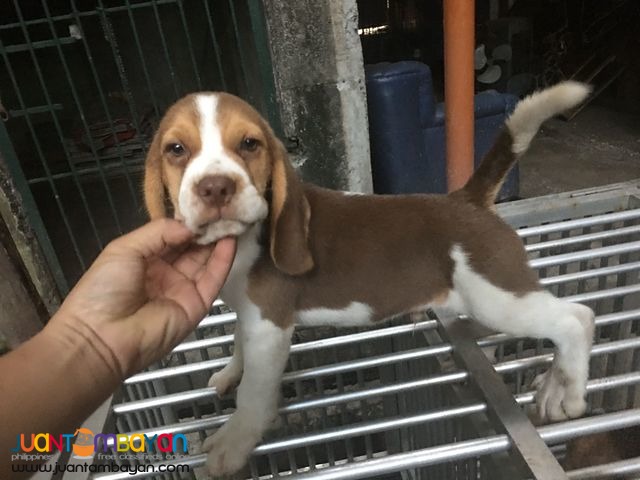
(395,402)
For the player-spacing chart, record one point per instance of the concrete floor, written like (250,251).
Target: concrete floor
(599,146)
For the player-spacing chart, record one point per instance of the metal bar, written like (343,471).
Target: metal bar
(367,428)
(261,44)
(164,400)
(34,110)
(218,320)
(194,64)
(24,47)
(591,273)
(527,444)
(243,58)
(585,254)
(580,223)
(362,336)
(216,47)
(203,343)
(143,63)
(308,346)
(364,363)
(602,294)
(80,172)
(565,431)
(590,237)
(177,370)
(619,469)
(165,49)
(617,317)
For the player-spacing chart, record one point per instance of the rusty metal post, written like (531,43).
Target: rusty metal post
(459,26)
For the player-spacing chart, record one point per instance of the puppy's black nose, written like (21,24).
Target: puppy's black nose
(216,190)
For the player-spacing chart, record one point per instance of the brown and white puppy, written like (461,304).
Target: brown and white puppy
(313,256)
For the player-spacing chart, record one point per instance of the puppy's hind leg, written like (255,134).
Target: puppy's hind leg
(561,390)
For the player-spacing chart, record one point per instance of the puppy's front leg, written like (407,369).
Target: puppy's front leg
(230,375)
(265,349)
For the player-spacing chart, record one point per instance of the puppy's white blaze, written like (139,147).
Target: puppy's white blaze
(532,111)
(248,206)
(357,314)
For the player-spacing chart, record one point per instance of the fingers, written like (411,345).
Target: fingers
(153,239)
(193,260)
(217,269)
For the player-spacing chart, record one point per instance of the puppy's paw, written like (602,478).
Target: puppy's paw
(228,450)
(554,398)
(225,380)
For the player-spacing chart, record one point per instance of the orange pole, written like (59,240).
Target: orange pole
(459,26)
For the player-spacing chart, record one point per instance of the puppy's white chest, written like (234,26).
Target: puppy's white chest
(234,292)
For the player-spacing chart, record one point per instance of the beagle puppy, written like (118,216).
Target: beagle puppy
(312,256)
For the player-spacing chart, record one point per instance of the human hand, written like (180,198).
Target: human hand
(143,294)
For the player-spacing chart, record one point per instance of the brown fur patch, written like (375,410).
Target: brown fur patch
(483,187)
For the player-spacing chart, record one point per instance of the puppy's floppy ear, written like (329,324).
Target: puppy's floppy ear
(154,195)
(289,217)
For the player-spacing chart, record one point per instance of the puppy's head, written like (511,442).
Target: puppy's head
(223,170)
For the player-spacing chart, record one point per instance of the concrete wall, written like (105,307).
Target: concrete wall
(319,75)
(23,267)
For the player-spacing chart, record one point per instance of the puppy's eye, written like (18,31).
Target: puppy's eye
(249,144)
(176,149)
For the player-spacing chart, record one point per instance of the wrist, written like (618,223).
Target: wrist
(81,350)
(52,383)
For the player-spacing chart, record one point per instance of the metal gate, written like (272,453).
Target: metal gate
(82,87)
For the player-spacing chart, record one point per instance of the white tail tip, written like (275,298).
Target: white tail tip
(533,110)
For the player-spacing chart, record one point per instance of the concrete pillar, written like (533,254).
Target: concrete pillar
(19,318)
(319,76)
(28,293)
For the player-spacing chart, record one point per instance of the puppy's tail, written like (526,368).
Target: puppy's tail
(521,126)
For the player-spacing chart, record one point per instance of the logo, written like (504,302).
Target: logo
(83,447)
(84,444)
